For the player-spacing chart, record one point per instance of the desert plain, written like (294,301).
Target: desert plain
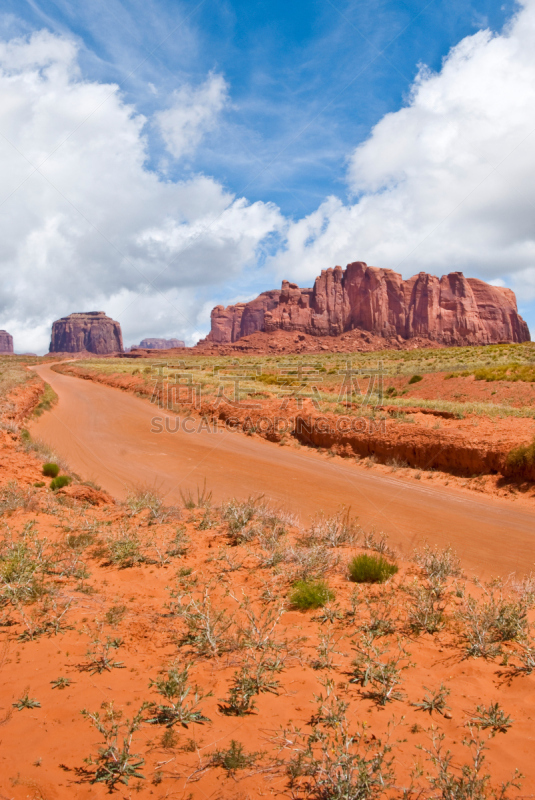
(224,609)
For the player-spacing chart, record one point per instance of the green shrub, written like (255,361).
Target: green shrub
(50,470)
(521,459)
(48,399)
(371,569)
(310,594)
(416,379)
(234,758)
(60,482)
(126,550)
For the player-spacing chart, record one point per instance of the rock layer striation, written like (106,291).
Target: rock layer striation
(6,342)
(91,331)
(451,310)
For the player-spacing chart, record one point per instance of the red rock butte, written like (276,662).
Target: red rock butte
(6,342)
(91,332)
(451,310)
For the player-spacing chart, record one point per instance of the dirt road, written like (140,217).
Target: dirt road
(105,435)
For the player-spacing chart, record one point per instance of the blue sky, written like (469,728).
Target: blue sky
(296,88)
(308,80)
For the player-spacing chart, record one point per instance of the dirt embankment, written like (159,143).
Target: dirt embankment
(22,401)
(418,438)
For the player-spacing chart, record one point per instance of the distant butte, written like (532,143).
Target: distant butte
(161,344)
(6,342)
(91,332)
(451,310)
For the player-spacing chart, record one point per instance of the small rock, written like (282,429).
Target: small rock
(86,494)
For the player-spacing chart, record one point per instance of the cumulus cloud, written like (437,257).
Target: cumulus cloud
(448,181)
(84,224)
(193,112)
(445,183)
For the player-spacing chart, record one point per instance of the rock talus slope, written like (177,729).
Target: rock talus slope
(91,331)
(451,310)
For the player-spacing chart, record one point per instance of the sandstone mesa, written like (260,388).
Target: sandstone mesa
(451,310)
(6,342)
(161,344)
(90,331)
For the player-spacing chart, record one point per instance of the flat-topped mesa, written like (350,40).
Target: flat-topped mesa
(161,344)
(6,342)
(91,332)
(451,310)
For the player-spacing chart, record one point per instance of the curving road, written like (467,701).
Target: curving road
(105,436)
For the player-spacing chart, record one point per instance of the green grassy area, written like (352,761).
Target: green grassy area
(270,376)
(506,372)
(14,372)
(48,399)
(396,362)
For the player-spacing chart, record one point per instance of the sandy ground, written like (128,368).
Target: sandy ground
(49,751)
(465,389)
(105,435)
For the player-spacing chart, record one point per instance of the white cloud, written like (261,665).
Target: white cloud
(93,226)
(447,182)
(193,112)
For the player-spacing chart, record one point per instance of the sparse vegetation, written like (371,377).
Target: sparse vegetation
(463,781)
(251,680)
(491,717)
(174,688)
(126,549)
(50,470)
(115,763)
(434,700)
(234,758)
(506,372)
(60,482)
(26,702)
(437,563)
(308,594)
(100,658)
(203,499)
(380,669)
(521,460)
(48,399)
(61,683)
(13,496)
(371,569)
(215,587)
(335,531)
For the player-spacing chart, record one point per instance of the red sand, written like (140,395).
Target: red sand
(44,750)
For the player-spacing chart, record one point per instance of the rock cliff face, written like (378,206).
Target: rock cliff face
(161,344)
(92,331)
(451,310)
(6,342)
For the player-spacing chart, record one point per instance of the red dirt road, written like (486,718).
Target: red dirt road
(105,435)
